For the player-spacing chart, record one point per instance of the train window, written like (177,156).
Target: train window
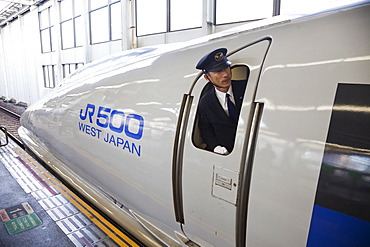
(343,198)
(220,125)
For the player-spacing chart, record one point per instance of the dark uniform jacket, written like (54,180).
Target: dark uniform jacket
(215,126)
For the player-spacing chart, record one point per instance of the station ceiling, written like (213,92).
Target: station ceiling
(9,10)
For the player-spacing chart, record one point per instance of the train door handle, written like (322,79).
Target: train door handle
(246,175)
(177,157)
(3,129)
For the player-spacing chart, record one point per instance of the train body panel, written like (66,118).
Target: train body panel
(126,125)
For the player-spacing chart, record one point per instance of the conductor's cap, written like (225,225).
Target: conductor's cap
(213,61)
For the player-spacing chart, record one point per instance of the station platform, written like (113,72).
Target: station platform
(36,209)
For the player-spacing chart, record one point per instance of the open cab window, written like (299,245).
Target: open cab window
(240,74)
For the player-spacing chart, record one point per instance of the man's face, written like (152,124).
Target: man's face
(221,78)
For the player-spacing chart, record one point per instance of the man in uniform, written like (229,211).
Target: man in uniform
(219,108)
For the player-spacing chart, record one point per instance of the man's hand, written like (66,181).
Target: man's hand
(220,150)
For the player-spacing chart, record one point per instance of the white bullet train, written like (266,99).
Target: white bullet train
(124,132)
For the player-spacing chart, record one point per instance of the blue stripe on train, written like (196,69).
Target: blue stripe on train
(332,228)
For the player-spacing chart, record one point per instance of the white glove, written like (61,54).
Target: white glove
(220,150)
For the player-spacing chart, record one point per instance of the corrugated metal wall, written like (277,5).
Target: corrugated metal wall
(22,62)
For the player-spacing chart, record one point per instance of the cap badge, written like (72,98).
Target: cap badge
(218,56)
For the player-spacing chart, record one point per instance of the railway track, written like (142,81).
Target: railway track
(10,120)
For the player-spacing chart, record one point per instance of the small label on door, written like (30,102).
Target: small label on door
(223,181)
(225,184)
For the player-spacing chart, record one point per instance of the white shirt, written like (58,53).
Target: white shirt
(221,96)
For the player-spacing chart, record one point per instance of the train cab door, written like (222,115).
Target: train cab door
(206,185)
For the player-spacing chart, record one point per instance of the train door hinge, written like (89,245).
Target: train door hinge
(186,240)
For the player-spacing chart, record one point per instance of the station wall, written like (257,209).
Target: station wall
(31,67)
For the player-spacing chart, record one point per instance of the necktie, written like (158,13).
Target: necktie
(231,108)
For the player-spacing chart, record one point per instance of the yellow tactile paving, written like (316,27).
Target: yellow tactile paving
(114,233)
